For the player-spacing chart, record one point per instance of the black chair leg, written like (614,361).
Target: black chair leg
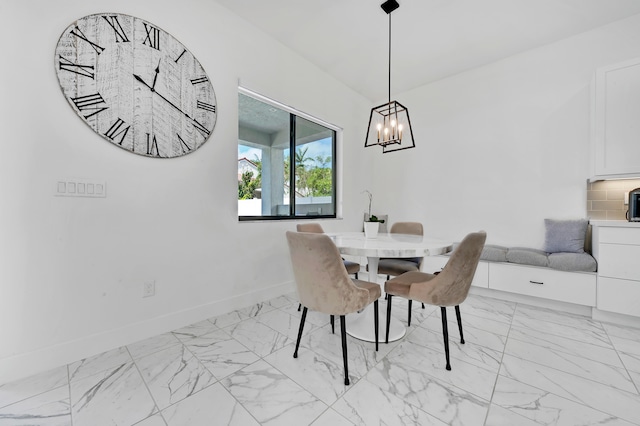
(459,324)
(409,315)
(386,339)
(356,274)
(299,306)
(333,324)
(343,332)
(304,316)
(375,318)
(445,331)
(423,306)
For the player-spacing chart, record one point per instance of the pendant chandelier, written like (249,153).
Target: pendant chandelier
(389,124)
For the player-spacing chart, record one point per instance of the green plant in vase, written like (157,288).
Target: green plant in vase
(372,217)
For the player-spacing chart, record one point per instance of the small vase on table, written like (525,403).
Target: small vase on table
(371,229)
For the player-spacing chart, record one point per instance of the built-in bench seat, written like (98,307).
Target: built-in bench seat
(569,262)
(568,277)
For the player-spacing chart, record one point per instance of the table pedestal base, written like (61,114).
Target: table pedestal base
(360,325)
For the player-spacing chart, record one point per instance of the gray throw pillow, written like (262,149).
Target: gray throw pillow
(565,236)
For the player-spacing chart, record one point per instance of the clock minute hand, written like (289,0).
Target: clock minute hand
(199,126)
(137,77)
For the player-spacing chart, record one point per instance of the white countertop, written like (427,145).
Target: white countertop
(615,223)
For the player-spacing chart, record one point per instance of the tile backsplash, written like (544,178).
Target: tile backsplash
(606,198)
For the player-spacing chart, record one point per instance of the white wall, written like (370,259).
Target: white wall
(499,148)
(504,146)
(72,269)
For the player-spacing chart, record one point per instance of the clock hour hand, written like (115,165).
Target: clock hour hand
(137,77)
(155,77)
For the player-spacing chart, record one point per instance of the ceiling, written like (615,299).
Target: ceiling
(431,39)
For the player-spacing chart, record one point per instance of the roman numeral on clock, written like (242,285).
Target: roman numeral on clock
(199,80)
(93,102)
(117,129)
(205,106)
(119,31)
(84,70)
(152,146)
(183,144)
(178,58)
(153,36)
(78,33)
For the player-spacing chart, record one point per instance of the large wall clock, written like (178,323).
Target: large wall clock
(135,85)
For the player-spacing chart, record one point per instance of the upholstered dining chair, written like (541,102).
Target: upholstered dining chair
(325,286)
(398,266)
(352,267)
(449,288)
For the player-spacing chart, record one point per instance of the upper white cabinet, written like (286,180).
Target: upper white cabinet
(616,121)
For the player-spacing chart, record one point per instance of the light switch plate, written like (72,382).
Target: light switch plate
(89,188)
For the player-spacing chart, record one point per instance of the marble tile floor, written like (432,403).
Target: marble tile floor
(520,365)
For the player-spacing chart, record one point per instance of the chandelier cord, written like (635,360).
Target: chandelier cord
(389,57)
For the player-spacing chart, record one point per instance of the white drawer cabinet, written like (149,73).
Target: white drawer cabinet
(620,261)
(629,234)
(618,255)
(620,296)
(571,287)
(433,264)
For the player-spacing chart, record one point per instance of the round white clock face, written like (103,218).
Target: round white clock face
(135,85)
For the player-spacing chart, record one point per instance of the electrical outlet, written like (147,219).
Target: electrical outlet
(149,289)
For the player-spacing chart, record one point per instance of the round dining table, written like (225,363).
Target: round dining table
(384,245)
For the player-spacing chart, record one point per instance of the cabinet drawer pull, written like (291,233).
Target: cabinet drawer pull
(536,282)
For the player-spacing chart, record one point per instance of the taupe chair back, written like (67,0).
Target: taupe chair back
(313,227)
(451,286)
(324,285)
(322,281)
(411,228)
(310,227)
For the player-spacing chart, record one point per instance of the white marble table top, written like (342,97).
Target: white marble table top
(388,245)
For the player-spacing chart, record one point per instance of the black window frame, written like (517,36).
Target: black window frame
(294,114)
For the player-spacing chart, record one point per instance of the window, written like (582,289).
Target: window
(273,183)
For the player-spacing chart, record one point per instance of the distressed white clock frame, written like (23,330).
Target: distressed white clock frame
(135,85)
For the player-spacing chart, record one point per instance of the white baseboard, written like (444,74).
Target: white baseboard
(27,364)
(534,301)
(614,318)
(596,314)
